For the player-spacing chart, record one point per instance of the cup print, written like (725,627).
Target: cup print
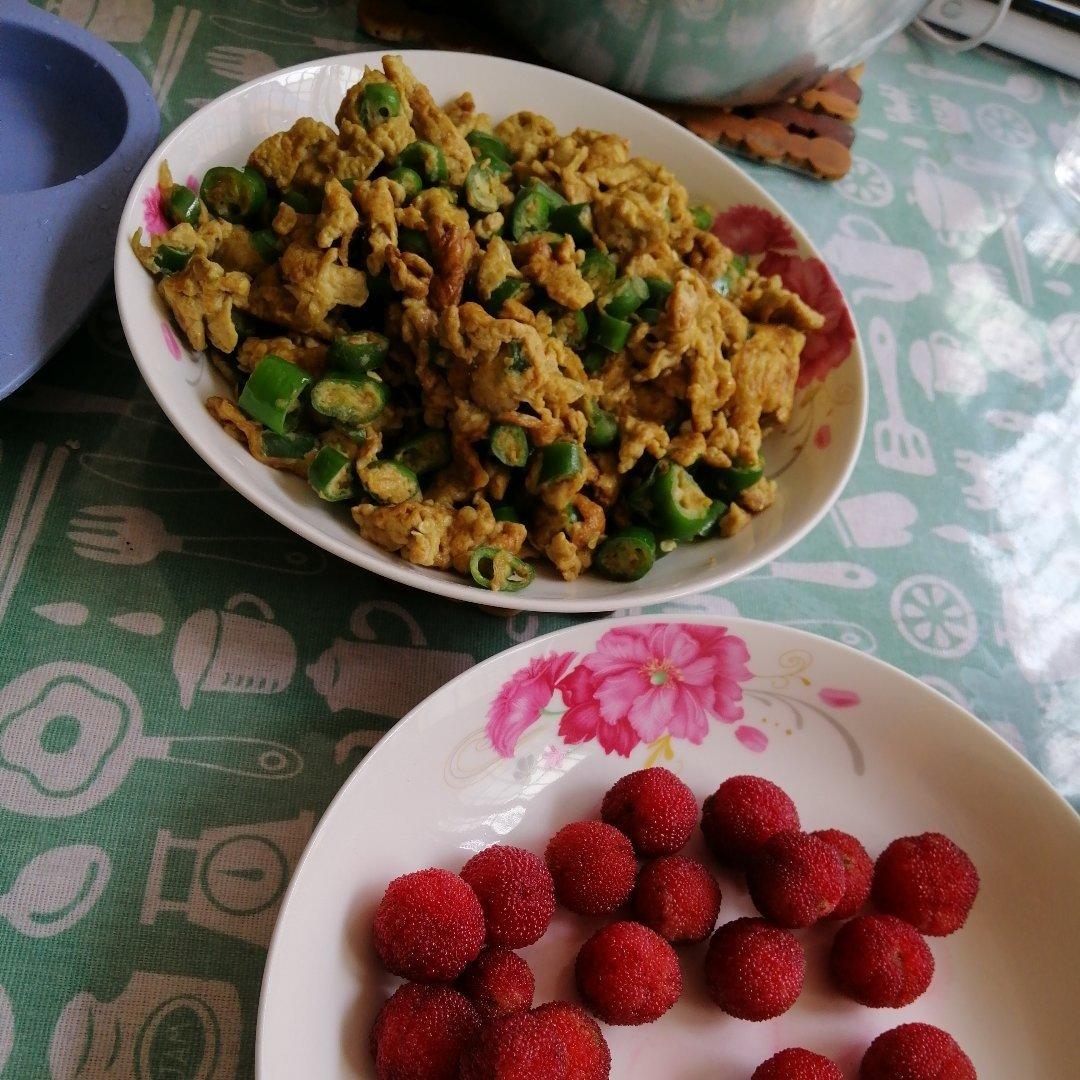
(951,208)
(861,249)
(159,1027)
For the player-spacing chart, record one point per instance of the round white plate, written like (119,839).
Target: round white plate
(859,746)
(815,456)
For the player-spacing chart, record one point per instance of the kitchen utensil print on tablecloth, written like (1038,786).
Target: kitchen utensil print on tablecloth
(133,536)
(847,633)
(39,398)
(139,474)
(248,31)
(229,652)
(26,514)
(239,64)
(880,519)
(866,184)
(158,1027)
(235,874)
(1022,88)
(949,117)
(64,613)
(940,364)
(836,575)
(1005,125)
(55,890)
(979,493)
(899,106)
(70,734)
(1014,248)
(1063,337)
(174,48)
(934,616)
(1016,423)
(950,207)
(73,613)
(119,21)
(142,623)
(1007,345)
(7,1028)
(978,281)
(898,444)
(378,678)
(362,738)
(960,534)
(862,249)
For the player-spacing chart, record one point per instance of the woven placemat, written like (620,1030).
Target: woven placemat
(811,133)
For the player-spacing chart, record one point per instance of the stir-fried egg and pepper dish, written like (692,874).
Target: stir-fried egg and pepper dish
(493,342)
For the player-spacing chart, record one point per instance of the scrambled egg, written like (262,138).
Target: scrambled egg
(490,323)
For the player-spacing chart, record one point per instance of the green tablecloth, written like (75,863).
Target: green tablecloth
(144,854)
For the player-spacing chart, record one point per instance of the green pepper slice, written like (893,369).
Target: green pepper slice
(598,269)
(506,512)
(426,159)
(378,103)
(496,569)
(330,475)
(351,399)
(482,189)
(424,453)
(408,178)
(389,482)
(673,502)
(548,194)
(182,206)
(509,445)
(272,393)
(233,194)
(627,555)
(602,429)
(171,260)
(571,328)
(267,245)
(559,460)
(702,216)
(529,213)
(624,297)
(414,240)
(726,282)
(303,202)
(486,145)
(650,315)
(359,352)
(574,219)
(610,333)
(292,445)
(509,289)
(659,289)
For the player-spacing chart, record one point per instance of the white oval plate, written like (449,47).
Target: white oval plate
(859,745)
(815,456)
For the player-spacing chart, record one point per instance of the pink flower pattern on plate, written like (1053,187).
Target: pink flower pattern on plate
(521,699)
(640,683)
(154,212)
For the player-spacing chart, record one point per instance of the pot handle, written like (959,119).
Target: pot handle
(959,45)
(359,625)
(241,598)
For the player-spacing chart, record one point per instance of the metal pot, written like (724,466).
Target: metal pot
(704,51)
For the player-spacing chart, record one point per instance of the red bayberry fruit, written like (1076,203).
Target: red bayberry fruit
(797,1064)
(654,808)
(916,1052)
(754,971)
(516,892)
(497,982)
(742,814)
(880,961)
(587,1053)
(858,871)
(795,879)
(593,867)
(678,898)
(515,1047)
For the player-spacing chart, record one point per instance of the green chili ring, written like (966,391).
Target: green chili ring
(352,400)
(330,475)
(509,445)
(424,453)
(272,393)
(508,573)
(627,555)
(358,353)
(560,460)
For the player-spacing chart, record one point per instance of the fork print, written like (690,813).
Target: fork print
(132,536)
(239,64)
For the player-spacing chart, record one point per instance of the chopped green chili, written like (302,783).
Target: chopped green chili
(509,445)
(486,145)
(414,240)
(303,202)
(183,205)
(627,555)
(672,500)
(389,482)
(659,290)
(378,103)
(623,297)
(496,569)
(358,352)
(330,475)
(548,194)
(610,333)
(506,512)
(171,260)
(509,289)
(482,189)
(267,244)
(593,360)
(602,429)
(598,269)
(650,315)
(559,460)
(529,213)
(233,194)
(350,399)
(408,178)
(703,216)
(426,159)
(292,445)
(424,453)
(571,327)
(574,219)
(517,357)
(726,282)
(272,393)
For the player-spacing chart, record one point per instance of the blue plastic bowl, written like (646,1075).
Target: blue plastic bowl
(77,121)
